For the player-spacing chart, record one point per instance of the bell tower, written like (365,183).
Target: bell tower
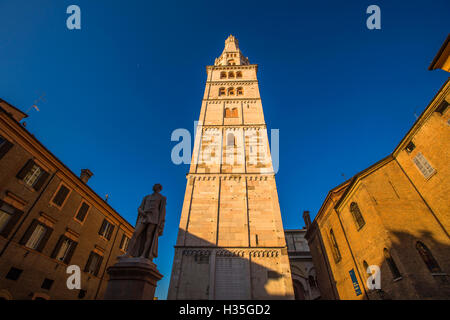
(231,242)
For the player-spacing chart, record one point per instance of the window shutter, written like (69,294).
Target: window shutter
(40,182)
(99,263)
(121,242)
(44,240)
(23,172)
(4,148)
(110,231)
(58,245)
(102,228)
(86,267)
(71,251)
(12,222)
(29,232)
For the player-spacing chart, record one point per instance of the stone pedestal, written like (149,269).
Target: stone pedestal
(132,279)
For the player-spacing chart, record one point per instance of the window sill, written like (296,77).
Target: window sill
(439,274)
(397,279)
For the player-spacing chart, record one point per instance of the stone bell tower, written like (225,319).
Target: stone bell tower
(231,241)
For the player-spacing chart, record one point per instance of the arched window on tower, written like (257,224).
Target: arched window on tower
(365,266)
(335,247)
(391,263)
(231,140)
(227,113)
(221,92)
(231,91)
(234,113)
(231,62)
(231,75)
(357,215)
(239,74)
(239,91)
(223,75)
(428,258)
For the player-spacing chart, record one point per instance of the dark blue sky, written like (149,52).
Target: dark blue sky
(342,95)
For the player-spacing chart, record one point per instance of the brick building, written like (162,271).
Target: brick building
(394,215)
(302,268)
(50,219)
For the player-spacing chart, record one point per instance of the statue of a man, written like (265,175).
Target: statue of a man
(149,226)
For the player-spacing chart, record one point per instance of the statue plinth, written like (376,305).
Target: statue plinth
(132,279)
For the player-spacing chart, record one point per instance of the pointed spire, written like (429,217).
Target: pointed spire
(231,54)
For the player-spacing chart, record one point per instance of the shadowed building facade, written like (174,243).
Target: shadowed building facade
(231,242)
(50,219)
(394,215)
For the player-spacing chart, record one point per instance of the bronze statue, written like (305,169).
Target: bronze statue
(149,226)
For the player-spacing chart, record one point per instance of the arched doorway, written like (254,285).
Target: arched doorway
(299,291)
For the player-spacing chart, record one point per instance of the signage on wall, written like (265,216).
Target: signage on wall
(355,282)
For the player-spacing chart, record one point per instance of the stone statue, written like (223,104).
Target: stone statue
(149,226)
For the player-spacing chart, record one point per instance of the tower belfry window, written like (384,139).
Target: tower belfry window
(239,74)
(239,91)
(221,92)
(231,75)
(223,75)
(231,91)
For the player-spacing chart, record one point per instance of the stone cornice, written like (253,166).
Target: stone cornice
(245,66)
(234,99)
(230,176)
(230,82)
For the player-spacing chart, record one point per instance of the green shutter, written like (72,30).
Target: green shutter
(69,255)
(39,183)
(5,147)
(29,232)
(25,169)
(99,263)
(43,242)
(12,222)
(57,247)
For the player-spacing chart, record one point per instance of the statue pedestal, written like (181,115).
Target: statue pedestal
(132,279)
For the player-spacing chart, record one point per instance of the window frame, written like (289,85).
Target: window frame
(356,213)
(52,203)
(78,210)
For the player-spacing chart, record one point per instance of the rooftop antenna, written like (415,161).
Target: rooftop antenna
(35,105)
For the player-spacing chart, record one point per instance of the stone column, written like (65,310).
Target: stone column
(132,279)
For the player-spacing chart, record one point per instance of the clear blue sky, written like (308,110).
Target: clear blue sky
(342,96)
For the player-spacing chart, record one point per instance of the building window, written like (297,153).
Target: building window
(231,140)
(312,282)
(231,62)
(5,146)
(221,92)
(336,251)
(36,236)
(47,284)
(391,263)
(82,211)
(14,274)
(428,258)
(423,165)
(33,175)
(231,91)
(223,75)
(239,91)
(366,266)
(410,147)
(93,264)
(60,195)
(64,249)
(124,243)
(231,75)
(9,216)
(442,107)
(357,216)
(238,74)
(106,229)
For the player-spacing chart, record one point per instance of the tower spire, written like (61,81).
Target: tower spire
(231,54)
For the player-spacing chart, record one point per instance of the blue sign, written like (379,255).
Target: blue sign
(355,282)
